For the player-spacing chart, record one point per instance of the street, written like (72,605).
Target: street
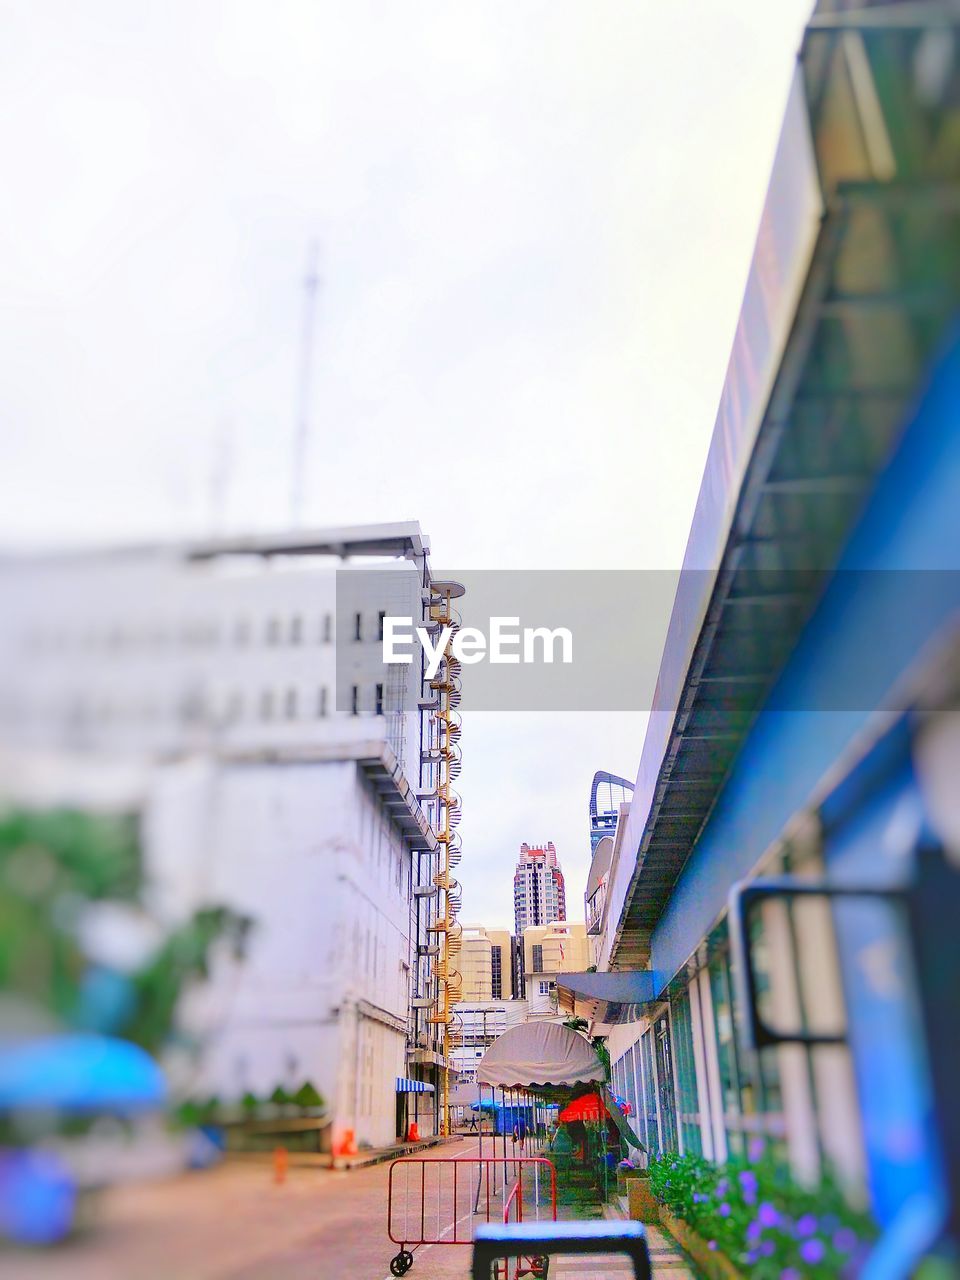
(235,1223)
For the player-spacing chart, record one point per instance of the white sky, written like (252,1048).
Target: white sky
(535,223)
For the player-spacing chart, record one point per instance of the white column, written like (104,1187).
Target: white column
(700,1067)
(712,1062)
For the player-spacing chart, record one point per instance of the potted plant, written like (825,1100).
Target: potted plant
(633,1181)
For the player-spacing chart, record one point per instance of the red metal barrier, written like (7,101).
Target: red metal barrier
(441,1201)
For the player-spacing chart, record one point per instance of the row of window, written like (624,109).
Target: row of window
(273,631)
(290,704)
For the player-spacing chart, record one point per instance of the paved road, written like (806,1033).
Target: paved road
(235,1223)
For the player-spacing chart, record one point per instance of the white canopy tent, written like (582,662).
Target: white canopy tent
(540,1053)
(535,1054)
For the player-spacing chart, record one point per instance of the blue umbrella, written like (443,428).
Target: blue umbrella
(79,1073)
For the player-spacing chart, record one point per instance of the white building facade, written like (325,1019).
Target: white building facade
(225,695)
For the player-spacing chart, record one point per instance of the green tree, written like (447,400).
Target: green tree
(53,866)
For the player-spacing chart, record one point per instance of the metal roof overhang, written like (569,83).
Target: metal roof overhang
(398,798)
(608,998)
(402,539)
(881,283)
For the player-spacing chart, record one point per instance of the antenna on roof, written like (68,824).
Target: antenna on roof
(301,438)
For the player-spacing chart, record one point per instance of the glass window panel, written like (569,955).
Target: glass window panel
(630,1093)
(650,1094)
(686,1075)
(726,1052)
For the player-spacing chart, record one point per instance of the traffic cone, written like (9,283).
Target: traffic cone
(413,1132)
(347,1145)
(280,1159)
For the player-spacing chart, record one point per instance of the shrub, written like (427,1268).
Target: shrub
(761,1219)
(307,1096)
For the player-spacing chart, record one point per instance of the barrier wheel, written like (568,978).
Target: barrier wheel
(408,1259)
(540,1266)
(398,1264)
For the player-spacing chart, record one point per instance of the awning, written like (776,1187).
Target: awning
(620,1120)
(611,998)
(587,1107)
(405,1085)
(540,1053)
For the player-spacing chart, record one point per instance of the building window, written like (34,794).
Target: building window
(358,626)
(496,973)
(326,633)
(273,631)
(737,1100)
(544,988)
(290,704)
(689,1116)
(538,957)
(650,1094)
(296,630)
(266,705)
(378,701)
(354,699)
(322,702)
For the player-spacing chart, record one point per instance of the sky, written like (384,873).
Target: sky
(534,222)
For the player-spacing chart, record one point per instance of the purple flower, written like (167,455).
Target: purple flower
(711,1244)
(700,1198)
(845,1240)
(812,1251)
(748,1178)
(767,1249)
(754,1232)
(723,1186)
(756,1148)
(806,1225)
(767,1215)
(790,1273)
(724,1210)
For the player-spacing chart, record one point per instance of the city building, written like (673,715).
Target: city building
(488,1003)
(231,695)
(539,895)
(485,964)
(479,1023)
(608,794)
(559,947)
(778,950)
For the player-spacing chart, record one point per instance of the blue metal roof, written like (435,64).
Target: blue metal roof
(854,284)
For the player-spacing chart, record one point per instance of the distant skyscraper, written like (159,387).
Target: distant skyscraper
(538,893)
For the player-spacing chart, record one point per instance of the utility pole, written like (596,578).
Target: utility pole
(301,439)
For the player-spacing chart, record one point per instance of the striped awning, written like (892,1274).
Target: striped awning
(404,1085)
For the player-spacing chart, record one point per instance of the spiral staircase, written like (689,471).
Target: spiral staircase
(445,752)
